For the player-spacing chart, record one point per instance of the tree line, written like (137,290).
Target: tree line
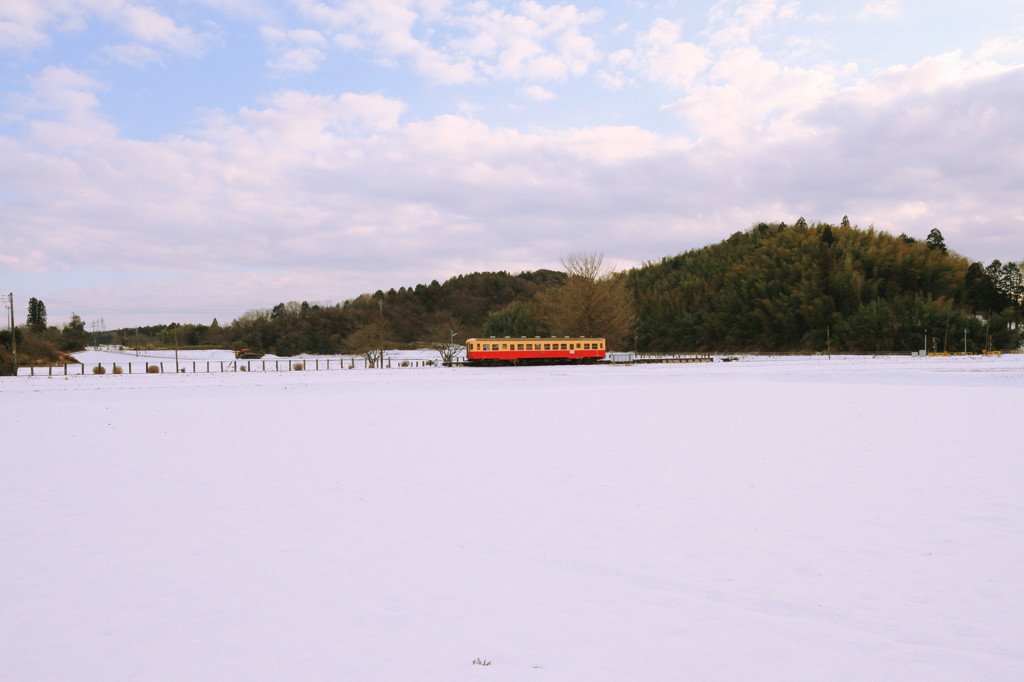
(773,287)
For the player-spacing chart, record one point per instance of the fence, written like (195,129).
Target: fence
(218,366)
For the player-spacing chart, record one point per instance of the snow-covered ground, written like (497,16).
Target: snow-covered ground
(769,519)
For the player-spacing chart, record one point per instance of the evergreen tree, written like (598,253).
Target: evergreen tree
(845,223)
(827,238)
(73,335)
(935,241)
(36,315)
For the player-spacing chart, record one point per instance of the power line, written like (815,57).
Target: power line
(134,309)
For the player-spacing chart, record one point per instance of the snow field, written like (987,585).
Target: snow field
(773,519)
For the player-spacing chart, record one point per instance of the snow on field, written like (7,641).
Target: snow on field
(797,519)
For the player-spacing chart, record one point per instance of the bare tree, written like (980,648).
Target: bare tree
(370,342)
(594,301)
(443,338)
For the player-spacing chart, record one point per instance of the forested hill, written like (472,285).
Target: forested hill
(777,287)
(772,288)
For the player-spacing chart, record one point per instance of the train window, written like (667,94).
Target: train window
(487,346)
(586,346)
(504,346)
(529,346)
(600,346)
(547,346)
(563,347)
(519,347)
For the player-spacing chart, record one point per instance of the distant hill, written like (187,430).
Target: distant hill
(772,288)
(788,288)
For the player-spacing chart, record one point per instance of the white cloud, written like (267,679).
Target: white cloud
(337,194)
(610,82)
(24,24)
(451,44)
(298,51)
(733,23)
(883,9)
(660,56)
(22,38)
(132,54)
(664,58)
(388,27)
(296,61)
(148,25)
(538,93)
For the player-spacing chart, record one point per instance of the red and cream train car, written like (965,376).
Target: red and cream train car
(535,351)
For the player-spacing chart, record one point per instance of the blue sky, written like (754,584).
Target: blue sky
(177,160)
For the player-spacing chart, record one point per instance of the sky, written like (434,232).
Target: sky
(187,160)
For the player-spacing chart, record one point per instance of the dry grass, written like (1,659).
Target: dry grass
(480,661)
(403,363)
(153,369)
(298,366)
(118,369)
(99,369)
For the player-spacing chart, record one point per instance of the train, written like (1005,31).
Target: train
(555,350)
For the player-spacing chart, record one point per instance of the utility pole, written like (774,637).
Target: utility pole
(828,340)
(14,340)
(380,344)
(965,340)
(176,349)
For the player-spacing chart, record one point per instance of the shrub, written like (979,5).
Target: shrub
(428,363)
(6,363)
(118,369)
(243,368)
(99,369)
(403,363)
(153,369)
(298,366)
